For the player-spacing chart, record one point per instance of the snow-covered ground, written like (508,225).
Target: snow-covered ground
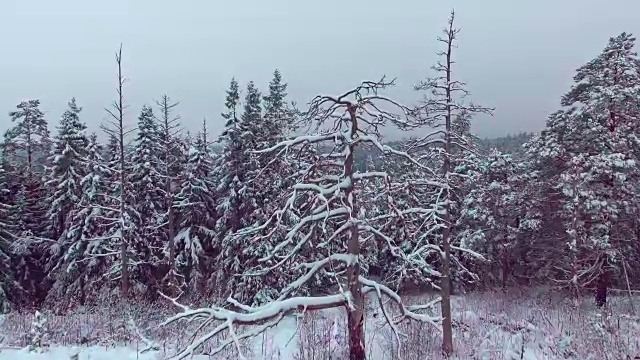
(65,353)
(487,326)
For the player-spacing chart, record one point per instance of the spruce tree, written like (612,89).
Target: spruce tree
(278,115)
(195,204)
(78,272)
(268,180)
(147,181)
(238,196)
(66,172)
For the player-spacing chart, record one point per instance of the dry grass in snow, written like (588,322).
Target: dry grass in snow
(490,325)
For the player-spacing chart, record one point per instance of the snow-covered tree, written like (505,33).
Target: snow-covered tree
(264,187)
(331,232)
(491,212)
(39,333)
(28,140)
(233,163)
(66,171)
(444,109)
(7,282)
(79,271)
(236,197)
(24,147)
(587,156)
(195,204)
(278,115)
(147,181)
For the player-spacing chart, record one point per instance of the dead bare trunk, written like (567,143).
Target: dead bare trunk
(27,124)
(447,329)
(445,304)
(171,235)
(123,245)
(169,127)
(355,312)
(125,270)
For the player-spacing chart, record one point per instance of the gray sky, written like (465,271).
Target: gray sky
(518,56)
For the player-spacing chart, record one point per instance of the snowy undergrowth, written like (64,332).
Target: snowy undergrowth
(490,325)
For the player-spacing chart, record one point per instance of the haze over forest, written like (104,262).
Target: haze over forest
(516,56)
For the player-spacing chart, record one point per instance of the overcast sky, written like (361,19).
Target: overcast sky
(517,56)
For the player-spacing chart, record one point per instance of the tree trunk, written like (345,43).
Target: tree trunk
(447,330)
(125,269)
(171,236)
(445,304)
(601,288)
(505,268)
(355,315)
(82,294)
(356,335)
(123,178)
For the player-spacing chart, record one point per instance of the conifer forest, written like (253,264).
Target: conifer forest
(300,211)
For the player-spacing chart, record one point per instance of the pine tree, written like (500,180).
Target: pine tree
(587,157)
(489,221)
(24,146)
(29,138)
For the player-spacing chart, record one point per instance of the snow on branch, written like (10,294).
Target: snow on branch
(259,318)
(325,242)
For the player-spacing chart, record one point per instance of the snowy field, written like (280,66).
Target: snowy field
(487,326)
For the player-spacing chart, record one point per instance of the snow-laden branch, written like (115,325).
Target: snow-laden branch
(330,225)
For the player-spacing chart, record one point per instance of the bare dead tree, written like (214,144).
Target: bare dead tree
(169,127)
(116,128)
(326,240)
(205,134)
(442,104)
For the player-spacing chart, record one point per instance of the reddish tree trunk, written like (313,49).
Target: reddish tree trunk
(356,336)
(356,311)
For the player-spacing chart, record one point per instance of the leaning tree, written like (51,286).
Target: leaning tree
(333,231)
